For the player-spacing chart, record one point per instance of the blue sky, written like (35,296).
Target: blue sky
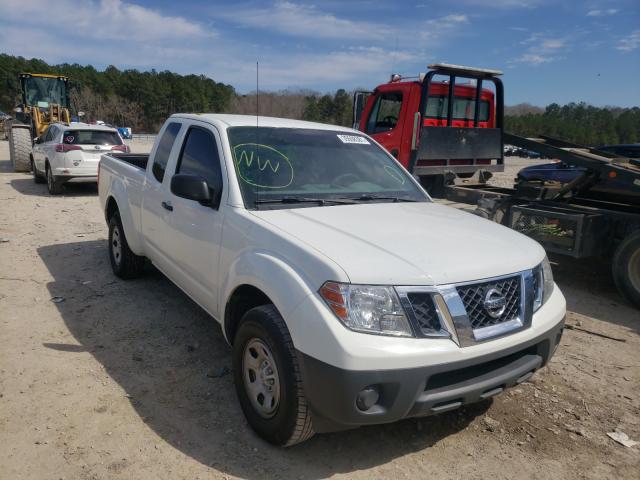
(550,51)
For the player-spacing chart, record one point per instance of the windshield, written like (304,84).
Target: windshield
(289,164)
(91,137)
(46,90)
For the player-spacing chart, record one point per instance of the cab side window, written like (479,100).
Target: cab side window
(199,156)
(46,136)
(385,113)
(164,150)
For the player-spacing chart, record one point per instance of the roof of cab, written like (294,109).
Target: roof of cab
(227,120)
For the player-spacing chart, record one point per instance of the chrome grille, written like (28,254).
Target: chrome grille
(425,312)
(473,297)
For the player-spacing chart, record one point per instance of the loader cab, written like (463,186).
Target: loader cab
(40,90)
(44,100)
(433,129)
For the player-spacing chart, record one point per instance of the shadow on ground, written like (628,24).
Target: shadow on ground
(164,351)
(589,289)
(26,186)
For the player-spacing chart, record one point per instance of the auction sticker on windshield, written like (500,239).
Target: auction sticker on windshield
(353,139)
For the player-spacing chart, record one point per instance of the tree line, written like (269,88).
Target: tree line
(143,100)
(580,123)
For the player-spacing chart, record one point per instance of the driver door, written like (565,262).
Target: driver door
(385,122)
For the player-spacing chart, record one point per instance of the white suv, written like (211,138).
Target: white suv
(71,152)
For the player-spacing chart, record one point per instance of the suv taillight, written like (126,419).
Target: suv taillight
(121,148)
(63,147)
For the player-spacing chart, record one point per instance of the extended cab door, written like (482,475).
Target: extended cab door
(154,196)
(190,231)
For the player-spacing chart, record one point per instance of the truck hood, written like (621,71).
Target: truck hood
(408,243)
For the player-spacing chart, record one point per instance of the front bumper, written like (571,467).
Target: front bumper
(421,391)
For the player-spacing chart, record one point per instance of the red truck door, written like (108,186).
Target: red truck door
(385,119)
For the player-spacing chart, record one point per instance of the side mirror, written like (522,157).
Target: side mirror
(191,187)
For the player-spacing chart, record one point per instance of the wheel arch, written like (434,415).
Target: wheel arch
(243,298)
(265,279)
(117,201)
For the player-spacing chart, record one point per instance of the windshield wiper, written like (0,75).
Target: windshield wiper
(319,201)
(368,197)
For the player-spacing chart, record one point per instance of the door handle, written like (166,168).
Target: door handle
(167,206)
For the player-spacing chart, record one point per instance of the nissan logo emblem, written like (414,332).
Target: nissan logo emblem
(495,303)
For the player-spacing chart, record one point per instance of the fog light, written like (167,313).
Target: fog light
(367,398)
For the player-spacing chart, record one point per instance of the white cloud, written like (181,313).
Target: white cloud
(602,13)
(101,19)
(534,58)
(340,66)
(439,30)
(541,49)
(630,42)
(504,4)
(308,21)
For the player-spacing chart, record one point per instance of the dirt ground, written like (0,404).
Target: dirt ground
(122,379)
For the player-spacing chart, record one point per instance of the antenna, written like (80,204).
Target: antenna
(393,57)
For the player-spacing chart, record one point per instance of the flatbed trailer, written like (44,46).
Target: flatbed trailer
(561,217)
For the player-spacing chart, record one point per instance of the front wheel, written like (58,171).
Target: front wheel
(268,379)
(626,268)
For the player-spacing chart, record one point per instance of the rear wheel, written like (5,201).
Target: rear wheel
(626,268)
(36,176)
(54,186)
(434,185)
(20,148)
(268,379)
(124,263)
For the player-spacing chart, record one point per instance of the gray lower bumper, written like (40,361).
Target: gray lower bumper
(331,391)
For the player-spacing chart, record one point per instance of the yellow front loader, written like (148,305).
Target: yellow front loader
(44,100)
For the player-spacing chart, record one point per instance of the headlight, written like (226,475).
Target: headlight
(367,308)
(544,284)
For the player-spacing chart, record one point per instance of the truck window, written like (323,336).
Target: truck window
(164,149)
(463,108)
(200,157)
(385,113)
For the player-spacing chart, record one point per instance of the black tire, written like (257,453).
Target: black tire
(20,148)
(290,421)
(626,268)
(434,185)
(37,178)
(124,262)
(54,186)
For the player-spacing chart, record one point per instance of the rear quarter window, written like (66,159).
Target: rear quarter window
(91,137)
(165,145)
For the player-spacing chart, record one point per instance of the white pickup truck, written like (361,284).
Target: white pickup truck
(348,296)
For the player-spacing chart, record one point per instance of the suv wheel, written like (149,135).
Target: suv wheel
(37,178)
(54,186)
(268,379)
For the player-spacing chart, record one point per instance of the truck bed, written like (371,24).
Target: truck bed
(139,160)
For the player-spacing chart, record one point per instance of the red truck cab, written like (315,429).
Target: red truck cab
(413,121)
